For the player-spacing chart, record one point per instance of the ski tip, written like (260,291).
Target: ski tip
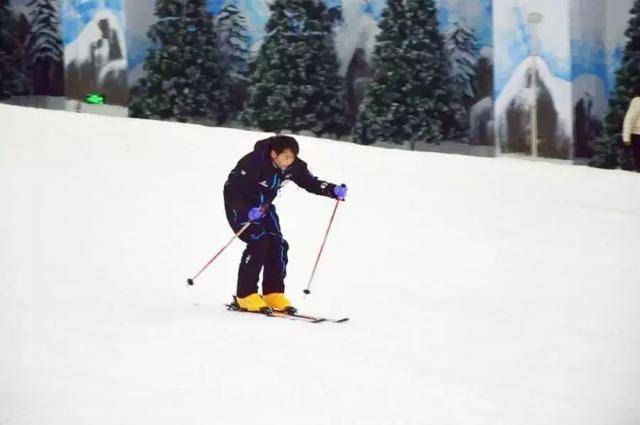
(345,319)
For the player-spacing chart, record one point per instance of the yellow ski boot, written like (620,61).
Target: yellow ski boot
(253,302)
(278,302)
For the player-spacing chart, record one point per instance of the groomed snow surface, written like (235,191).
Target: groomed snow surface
(480,291)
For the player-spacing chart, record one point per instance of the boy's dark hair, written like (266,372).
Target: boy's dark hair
(280,142)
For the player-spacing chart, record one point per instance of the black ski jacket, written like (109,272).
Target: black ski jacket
(255,180)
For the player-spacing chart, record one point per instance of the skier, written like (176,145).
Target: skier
(248,194)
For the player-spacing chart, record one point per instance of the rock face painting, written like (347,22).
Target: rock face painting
(95,49)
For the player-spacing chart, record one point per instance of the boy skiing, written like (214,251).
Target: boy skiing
(248,195)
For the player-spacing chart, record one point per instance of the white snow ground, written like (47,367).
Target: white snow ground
(480,291)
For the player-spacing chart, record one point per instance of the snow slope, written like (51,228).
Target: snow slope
(480,291)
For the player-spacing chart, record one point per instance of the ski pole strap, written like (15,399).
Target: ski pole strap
(322,246)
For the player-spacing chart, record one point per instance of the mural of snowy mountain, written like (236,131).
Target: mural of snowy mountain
(515,39)
(104,24)
(512,109)
(95,53)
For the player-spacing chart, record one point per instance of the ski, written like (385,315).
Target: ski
(314,318)
(287,315)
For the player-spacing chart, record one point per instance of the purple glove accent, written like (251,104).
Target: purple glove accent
(340,191)
(255,213)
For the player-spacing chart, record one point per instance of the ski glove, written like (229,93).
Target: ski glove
(340,192)
(255,213)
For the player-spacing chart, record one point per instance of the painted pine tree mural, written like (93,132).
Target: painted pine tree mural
(205,68)
(6,43)
(184,76)
(462,51)
(610,152)
(233,36)
(295,84)
(13,72)
(159,93)
(410,96)
(45,47)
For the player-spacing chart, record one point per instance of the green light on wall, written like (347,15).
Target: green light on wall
(95,99)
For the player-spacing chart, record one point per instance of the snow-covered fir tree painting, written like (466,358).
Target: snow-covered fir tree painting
(467,28)
(411,96)
(467,52)
(234,42)
(14,32)
(623,86)
(462,53)
(186,76)
(44,47)
(95,53)
(295,85)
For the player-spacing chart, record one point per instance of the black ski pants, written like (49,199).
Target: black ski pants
(266,251)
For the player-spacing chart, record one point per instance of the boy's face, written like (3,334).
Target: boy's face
(283,160)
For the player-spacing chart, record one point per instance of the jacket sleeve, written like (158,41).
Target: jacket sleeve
(630,119)
(303,178)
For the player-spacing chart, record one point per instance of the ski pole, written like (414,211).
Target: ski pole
(264,209)
(190,281)
(307,291)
